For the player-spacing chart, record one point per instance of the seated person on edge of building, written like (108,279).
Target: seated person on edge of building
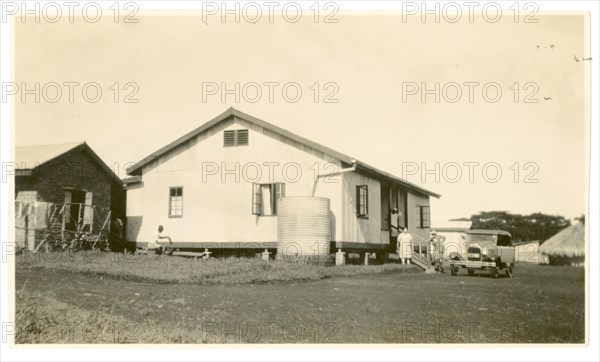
(156,244)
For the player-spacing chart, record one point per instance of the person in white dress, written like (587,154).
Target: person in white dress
(405,246)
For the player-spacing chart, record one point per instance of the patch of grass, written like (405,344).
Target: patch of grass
(164,269)
(42,319)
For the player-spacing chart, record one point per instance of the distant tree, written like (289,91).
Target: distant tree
(536,226)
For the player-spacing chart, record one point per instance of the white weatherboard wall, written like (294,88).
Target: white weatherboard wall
(218,208)
(359,229)
(368,230)
(414,199)
(528,252)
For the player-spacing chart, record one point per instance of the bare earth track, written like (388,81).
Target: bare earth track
(541,304)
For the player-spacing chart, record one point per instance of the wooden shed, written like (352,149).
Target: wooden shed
(61,188)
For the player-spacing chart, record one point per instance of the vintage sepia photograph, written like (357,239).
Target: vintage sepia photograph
(312,174)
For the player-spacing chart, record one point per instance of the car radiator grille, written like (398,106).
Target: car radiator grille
(474,254)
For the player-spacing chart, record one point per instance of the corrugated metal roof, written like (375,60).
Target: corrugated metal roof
(232,112)
(488,232)
(29,157)
(519,243)
(448,230)
(569,242)
(132,180)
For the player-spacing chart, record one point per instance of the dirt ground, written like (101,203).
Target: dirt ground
(541,304)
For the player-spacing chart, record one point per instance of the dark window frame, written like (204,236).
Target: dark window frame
(75,208)
(171,196)
(362,201)
(277,192)
(423,216)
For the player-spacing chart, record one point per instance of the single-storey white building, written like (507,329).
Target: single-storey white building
(220,186)
(528,252)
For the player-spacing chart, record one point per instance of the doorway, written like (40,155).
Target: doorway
(74,199)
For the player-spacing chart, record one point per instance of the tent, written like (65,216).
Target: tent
(567,247)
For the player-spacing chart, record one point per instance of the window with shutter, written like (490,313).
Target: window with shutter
(418,215)
(279,194)
(237,137)
(67,208)
(88,211)
(242,137)
(265,198)
(229,138)
(256,200)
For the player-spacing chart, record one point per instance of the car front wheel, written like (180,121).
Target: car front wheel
(495,274)
(453,270)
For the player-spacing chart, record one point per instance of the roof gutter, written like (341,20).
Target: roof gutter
(313,189)
(395,179)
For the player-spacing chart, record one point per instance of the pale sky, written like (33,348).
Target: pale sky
(369,58)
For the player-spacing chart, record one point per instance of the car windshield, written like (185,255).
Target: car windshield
(504,240)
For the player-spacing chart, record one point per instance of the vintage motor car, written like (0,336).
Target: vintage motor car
(485,250)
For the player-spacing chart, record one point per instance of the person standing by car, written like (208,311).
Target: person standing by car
(405,246)
(437,251)
(431,248)
(440,240)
